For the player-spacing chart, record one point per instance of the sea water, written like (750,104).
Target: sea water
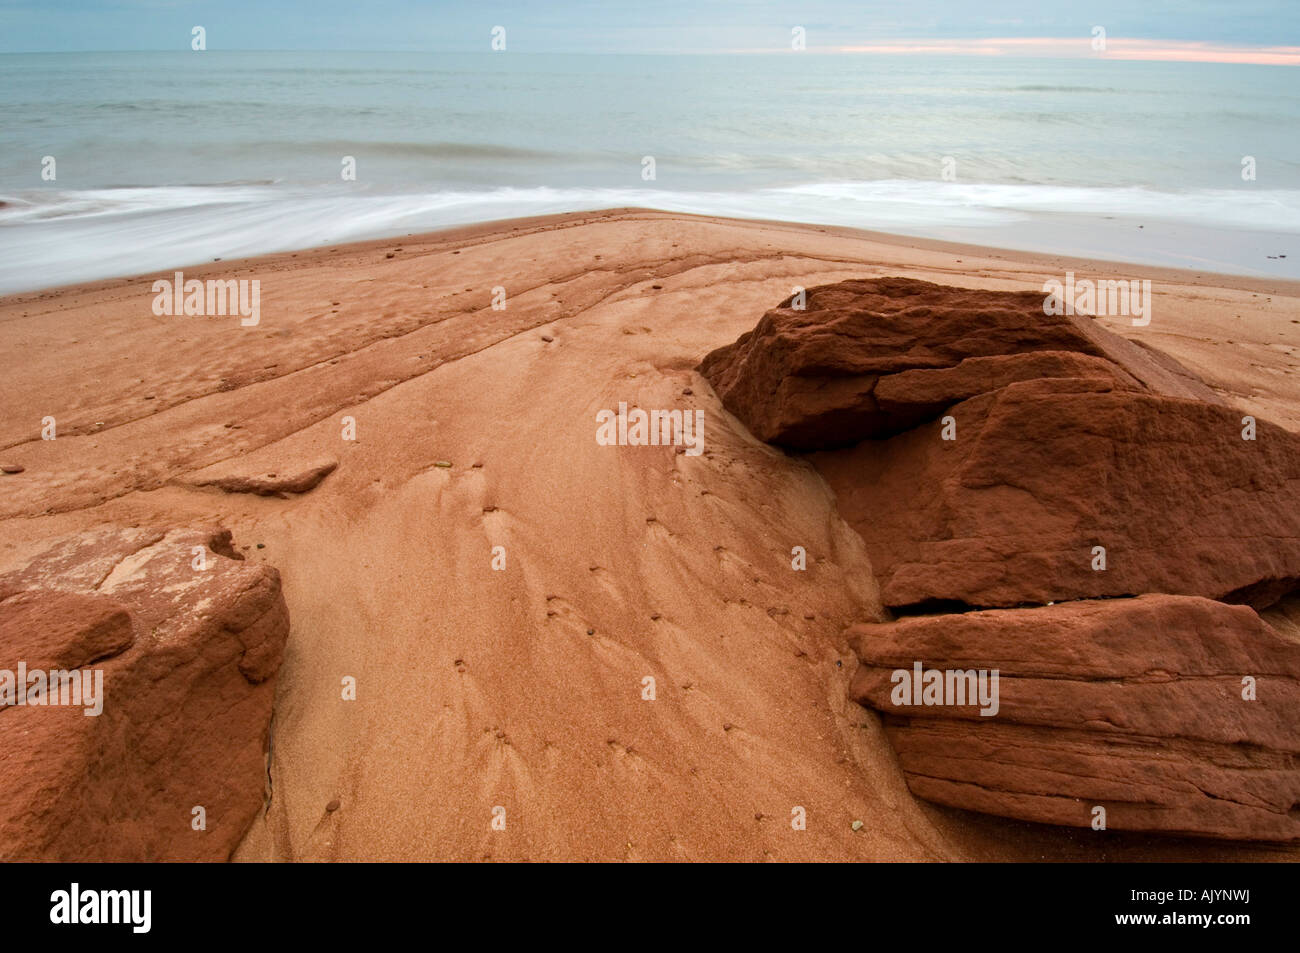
(125,163)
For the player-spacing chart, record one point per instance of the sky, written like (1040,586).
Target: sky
(1256,30)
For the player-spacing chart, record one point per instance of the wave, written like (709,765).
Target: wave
(55,237)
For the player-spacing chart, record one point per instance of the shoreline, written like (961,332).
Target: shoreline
(456,234)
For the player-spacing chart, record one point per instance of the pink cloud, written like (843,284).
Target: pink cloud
(1117,48)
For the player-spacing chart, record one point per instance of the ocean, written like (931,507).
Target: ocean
(166,159)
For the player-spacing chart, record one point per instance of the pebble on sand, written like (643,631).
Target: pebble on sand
(11,468)
(857,825)
(445,464)
(333,806)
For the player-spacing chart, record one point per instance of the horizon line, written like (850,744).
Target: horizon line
(1078,47)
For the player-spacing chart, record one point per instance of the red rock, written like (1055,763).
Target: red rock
(49,629)
(1134,705)
(923,394)
(1064,438)
(1042,472)
(824,377)
(189,659)
(301,479)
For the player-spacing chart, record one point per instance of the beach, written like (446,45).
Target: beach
(497,582)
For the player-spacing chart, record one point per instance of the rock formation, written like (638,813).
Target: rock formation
(299,478)
(1071,489)
(870,358)
(188,638)
(1172,713)
(993,456)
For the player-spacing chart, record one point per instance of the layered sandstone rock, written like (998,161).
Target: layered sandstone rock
(870,358)
(298,478)
(993,456)
(188,658)
(1174,714)
(1043,473)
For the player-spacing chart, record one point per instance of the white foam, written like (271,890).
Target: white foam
(50,238)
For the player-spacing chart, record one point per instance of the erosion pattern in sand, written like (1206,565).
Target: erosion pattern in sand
(522,688)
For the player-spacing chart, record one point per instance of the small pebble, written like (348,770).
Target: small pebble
(261,545)
(857,825)
(442,463)
(547,338)
(687,391)
(591,631)
(11,468)
(333,805)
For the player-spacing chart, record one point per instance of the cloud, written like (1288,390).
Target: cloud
(1117,48)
